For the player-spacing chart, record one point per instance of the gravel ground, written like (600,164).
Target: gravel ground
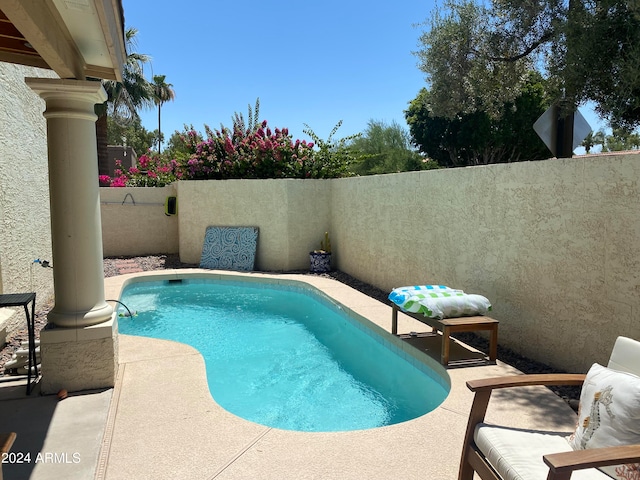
(160,262)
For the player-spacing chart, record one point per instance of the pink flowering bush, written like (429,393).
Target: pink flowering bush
(241,153)
(237,153)
(184,144)
(119,177)
(151,171)
(154,171)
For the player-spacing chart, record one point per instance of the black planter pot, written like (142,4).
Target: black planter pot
(320,262)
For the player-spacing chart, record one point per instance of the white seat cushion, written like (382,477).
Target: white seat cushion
(517,454)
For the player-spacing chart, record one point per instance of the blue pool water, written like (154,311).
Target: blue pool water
(282,356)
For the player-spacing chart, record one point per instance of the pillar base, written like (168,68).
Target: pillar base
(96,316)
(79,358)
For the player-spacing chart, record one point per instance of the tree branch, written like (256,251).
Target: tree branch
(543,39)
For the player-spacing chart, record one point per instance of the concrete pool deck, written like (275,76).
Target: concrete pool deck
(160,421)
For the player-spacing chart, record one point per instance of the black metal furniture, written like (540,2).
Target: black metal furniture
(23,299)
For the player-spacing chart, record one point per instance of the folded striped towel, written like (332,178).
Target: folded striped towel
(439,301)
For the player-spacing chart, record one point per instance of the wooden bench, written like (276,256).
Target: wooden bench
(450,325)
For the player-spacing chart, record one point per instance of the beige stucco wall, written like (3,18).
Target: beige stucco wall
(141,228)
(292,216)
(553,244)
(25,233)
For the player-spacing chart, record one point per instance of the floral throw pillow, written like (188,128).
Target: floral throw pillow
(609,415)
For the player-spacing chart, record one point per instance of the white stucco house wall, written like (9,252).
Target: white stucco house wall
(25,229)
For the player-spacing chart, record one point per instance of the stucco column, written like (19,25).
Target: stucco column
(76,232)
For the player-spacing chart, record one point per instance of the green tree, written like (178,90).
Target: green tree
(386,148)
(124,98)
(162,92)
(621,140)
(474,54)
(477,138)
(132,135)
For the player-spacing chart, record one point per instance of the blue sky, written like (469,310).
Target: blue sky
(308,62)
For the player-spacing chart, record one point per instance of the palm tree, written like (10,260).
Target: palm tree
(124,98)
(162,92)
(593,139)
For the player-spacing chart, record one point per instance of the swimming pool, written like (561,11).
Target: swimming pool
(284,356)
